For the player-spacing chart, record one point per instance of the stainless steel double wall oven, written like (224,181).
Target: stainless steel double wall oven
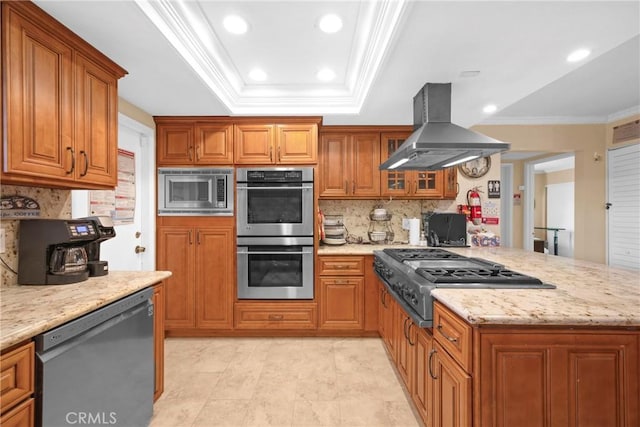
(275,233)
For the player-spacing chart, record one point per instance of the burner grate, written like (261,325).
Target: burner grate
(402,255)
(466,275)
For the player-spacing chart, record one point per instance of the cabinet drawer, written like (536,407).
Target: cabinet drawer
(454,334)
(17,376)
(275,316)
(341,266)
(20,416)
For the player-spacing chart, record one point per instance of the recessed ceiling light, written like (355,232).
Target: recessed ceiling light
(258,75)
(235,24)
(326,75)
(578,55)
(490,108)
(330,23)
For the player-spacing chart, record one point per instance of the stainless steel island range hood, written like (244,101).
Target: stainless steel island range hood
(436,143)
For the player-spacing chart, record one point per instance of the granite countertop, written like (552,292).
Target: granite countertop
(26,311)
(586,294)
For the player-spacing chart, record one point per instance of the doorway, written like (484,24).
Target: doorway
(120,251)
(548,171)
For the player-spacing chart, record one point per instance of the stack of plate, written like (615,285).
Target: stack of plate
(334,230)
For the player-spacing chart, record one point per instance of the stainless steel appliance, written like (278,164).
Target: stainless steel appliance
(436,143)
(195,191)
(98,369)
(411,274)
(275,267)
(53,251)
(275,201)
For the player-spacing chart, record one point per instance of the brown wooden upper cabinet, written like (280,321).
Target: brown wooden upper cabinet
(442,184)
(349,161)
(349,165)
(269,144)
(185,141)
(61,104)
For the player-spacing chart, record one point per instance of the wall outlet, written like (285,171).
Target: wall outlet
(405,223)
(2,241)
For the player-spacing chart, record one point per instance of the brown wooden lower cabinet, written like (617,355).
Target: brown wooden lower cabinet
(17,372)
(459,374)
(199,294)
(558,378)
(22,415)
(422,390)
(158,339)
(451,391)
(275,315)
(341,303)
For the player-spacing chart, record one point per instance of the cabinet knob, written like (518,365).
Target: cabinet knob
(139,249)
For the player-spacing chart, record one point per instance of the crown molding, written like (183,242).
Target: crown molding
(623,114)
(185,26)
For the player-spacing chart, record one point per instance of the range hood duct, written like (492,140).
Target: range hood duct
(437,143)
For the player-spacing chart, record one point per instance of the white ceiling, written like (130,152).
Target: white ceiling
(385,52)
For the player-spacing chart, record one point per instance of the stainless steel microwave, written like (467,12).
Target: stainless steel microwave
(195,191)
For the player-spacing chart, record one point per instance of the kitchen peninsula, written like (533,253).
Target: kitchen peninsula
(518,356)
(29,310)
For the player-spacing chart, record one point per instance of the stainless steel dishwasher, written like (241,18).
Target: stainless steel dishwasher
(99,369)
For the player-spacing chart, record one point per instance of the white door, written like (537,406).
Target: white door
(560,211)
(623,194)
(120,252)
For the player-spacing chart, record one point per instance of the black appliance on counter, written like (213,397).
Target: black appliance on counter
(445,229)
(58,251)
(105,231)
(411,274)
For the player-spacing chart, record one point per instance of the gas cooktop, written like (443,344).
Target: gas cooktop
(414,273)
(402,255)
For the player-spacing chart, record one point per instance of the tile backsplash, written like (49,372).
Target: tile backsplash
(53,203)
(356,213)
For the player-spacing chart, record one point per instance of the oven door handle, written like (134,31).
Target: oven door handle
(303,187)
(272,253)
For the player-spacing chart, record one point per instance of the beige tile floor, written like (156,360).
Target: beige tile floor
(280,382)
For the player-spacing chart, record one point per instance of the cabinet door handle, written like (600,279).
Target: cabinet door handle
(279,156)
(452,339)
(271,154)
(73,161)
(198,237)
(415,187)
(382,298)
(190,238)
(197,152)
(404,328)
(190,152)
(346,186)
(411,343)
(431,353)
(86,162)
(276,317)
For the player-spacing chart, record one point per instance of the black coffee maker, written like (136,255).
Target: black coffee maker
(52,251)
(105,231)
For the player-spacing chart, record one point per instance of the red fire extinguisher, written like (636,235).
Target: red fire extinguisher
(473,200)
